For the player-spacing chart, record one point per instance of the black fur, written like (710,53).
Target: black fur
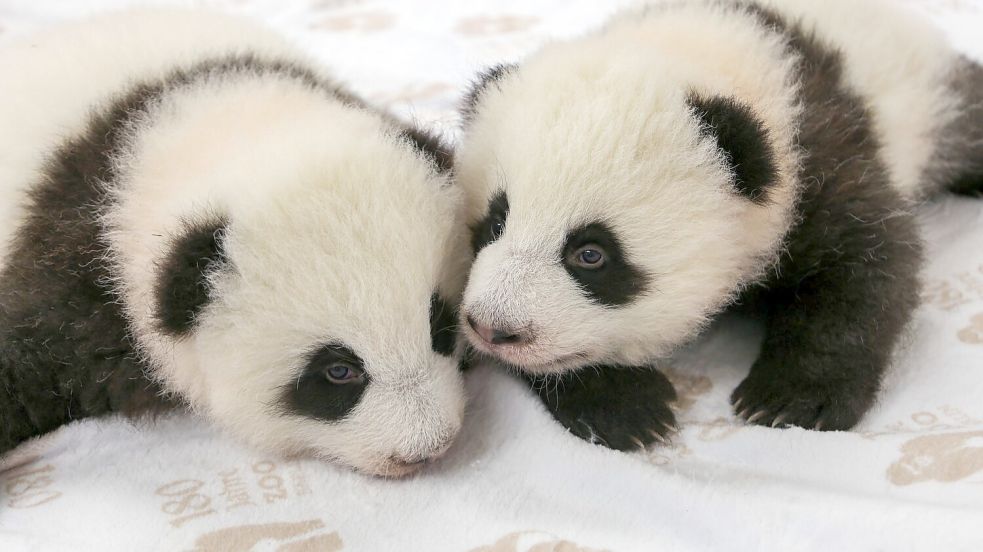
(64,352)
(847,281)
(959,161)
(182,287)
(482,232)
(312,395)
(743,139)
(620,407)
(431,147)
(64,349)
(481,82)
(443,326)
(618,281)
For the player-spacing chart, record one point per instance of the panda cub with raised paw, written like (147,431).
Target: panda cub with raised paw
(627,186)
(193,214)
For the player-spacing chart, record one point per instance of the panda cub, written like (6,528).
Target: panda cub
(195,215)
(628,185)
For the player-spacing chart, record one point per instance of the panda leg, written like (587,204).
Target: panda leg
(834,318)
(31,394)
(15,422)
(8,435)
(620,407)
(39,392)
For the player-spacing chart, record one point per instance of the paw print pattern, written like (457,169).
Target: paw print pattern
(333,4)
(943,457)
(367,22)
(304,536)
(973,334)
(689,388)
(495,25)
(533,541)
(716,430)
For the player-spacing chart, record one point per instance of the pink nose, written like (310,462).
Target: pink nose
(417,461)
(497,336)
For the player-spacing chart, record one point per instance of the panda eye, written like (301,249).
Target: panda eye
(490,227)
(342,373)
(497,229)
(590,256)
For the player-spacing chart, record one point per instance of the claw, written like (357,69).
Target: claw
(668,428)
(638,442)
(779,420)
(819,425)
(737,403)
(662,439)
(756,416)
(745,413)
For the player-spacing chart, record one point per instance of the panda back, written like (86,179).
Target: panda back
(901,67)
(64,76)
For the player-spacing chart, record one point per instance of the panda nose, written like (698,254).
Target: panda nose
(418,461)
(496,336)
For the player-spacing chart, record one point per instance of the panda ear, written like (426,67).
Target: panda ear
(431,147)
(182,276)
(743,139)
(485,78)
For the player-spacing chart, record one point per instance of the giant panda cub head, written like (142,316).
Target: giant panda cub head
(615,203)
(305,300)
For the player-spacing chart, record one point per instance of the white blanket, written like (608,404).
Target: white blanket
(909,478)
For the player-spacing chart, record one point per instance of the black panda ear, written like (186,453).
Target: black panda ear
(481,82)
(744,140)
(182,276)
(430,146)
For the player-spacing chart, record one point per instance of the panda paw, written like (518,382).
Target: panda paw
(619,407)
(774,398)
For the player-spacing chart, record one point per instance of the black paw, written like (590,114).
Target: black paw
(769,398)
(619,407)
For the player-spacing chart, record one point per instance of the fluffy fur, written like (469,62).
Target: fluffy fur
(194,215)
(769,152)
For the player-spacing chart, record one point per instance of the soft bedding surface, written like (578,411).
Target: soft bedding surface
(910,477)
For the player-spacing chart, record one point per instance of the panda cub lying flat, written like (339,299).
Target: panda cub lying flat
(627,186)
(193,214)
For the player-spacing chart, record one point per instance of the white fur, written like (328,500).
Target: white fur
(597,128)
(676,213)
(54,77)
(900,65)
(339,232)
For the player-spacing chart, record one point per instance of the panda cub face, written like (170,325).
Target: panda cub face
(309,306)
(612,210)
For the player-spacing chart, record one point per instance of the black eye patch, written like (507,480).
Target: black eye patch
(488,229)
(314,395)
(617,282)
(443,326)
